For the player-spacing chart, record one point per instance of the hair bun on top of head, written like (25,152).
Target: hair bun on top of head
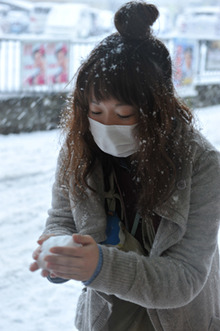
(134,19)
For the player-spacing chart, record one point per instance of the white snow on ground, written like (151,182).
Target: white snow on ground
(28,301)
(208,120)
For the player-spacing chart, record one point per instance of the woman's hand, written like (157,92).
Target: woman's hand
(78,262)
(34,266)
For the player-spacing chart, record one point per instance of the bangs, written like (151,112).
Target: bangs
(124,71)
(112,72)
(111,80)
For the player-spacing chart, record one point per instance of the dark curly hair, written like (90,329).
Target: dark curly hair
(134,67)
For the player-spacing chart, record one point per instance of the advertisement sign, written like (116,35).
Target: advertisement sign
(45,63)
(34,64)
(184,62)
(57,62)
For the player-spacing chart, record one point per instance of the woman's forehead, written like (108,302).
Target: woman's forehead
(99,93)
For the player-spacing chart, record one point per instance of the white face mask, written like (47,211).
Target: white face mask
(116,140)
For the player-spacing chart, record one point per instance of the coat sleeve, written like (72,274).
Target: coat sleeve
(177,276)
(60,219)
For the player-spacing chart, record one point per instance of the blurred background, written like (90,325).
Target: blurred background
(42,43)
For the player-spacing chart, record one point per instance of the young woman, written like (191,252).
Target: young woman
(138,187)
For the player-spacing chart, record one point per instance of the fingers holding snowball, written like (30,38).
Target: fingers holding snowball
(44,237)
(67,272)
(61,260)
(73,263)
(70,257)
(36,253)
(34,266)
(65,245)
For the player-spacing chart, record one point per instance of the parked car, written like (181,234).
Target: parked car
(3,14)
(17,21)
(69,20)
(38,16)
(4,10)
(102,22)
(199,21)
(78,21)
(16,16)
(164,23)
(17,4)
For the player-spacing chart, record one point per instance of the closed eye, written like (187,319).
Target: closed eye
(95,112)
(125,116)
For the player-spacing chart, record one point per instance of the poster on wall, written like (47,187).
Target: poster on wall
(212,62)
(184,62)
(45,63)
(34,64)
(57,62)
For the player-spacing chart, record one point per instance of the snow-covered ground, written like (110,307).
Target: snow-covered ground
(28,301)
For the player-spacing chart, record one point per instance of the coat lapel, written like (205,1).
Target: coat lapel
(174,215)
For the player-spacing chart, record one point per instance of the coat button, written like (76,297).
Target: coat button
(181,184)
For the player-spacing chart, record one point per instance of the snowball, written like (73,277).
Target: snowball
(54,241)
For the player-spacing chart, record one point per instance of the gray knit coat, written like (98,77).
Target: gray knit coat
(179,282)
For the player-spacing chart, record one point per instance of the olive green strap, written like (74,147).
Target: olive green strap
(135,224)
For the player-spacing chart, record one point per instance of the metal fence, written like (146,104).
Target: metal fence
(17,61)
(19,72)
